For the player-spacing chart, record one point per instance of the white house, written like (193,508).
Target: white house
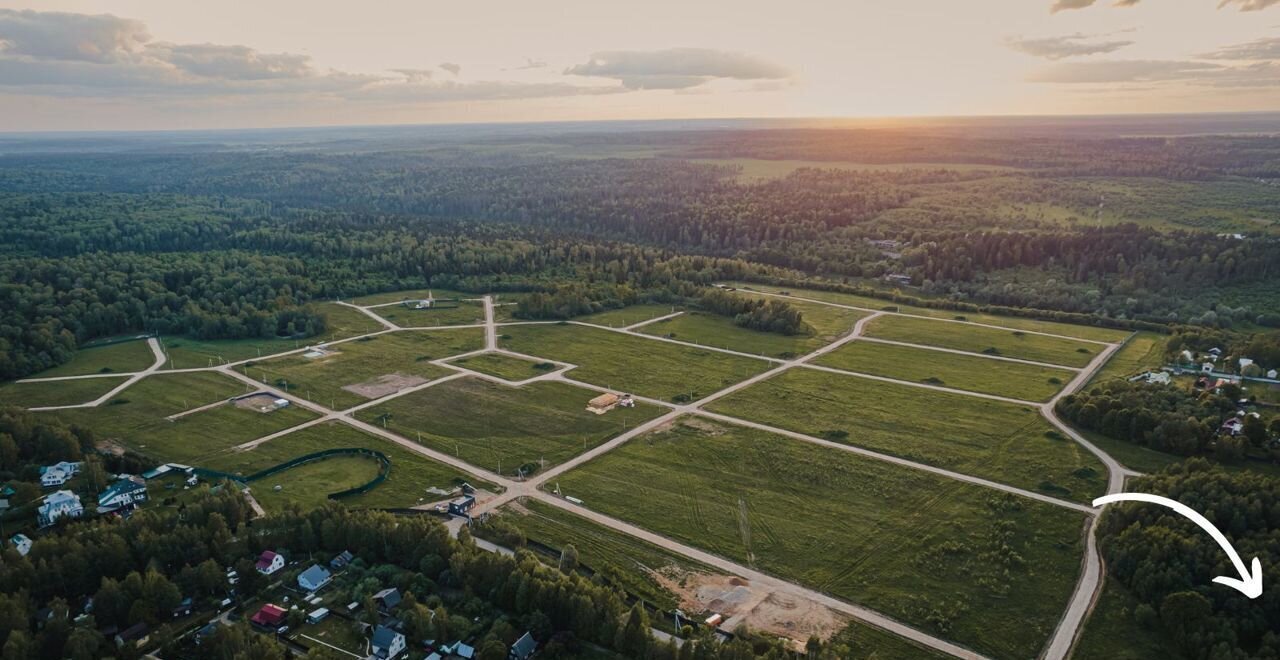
(1244,362)
(59,473)
(1206,367)
(59,505)
(269,562)
(122,493)
(1272,374)
(1153,378)
(21,543)
(387,644)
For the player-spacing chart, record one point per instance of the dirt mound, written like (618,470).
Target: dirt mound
(384,385)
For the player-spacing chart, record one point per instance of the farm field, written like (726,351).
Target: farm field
(1000,441)
(357,371)
(136,418)
(976,339)
(485,423)
(625,316)
(122,357)
(965,372)
(935,553)
(188,353)
(659,370)
(504,366)
(406,485)
(56,393)
(1013,322)
(721,332)
(1144,352)
(466,313)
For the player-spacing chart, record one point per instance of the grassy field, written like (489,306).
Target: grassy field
(660,370)
(1144,352)
(406,485)
(484,423)
(411,294)
(187,353)
(977,339)
(999,441)
(466,313)
(721,332)
(122,357)
(620,318)
(948,557)
(1017,323)
(363,360)
(976,374)
(56,393)
(1112,633)
(136,417)
(504,366)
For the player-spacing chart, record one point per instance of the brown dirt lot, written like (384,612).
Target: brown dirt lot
(383,385)
(736,600)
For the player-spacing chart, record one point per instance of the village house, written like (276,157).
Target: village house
(269,562)
(341,560)
(270,616)
(1273,374)
(387,600)
(1232,426)
(137,633)
(1207,367)
(315,577)
(59,473)
(59,505)
(1153,378)
(523,648)
(124,493)
(386,644)
(21,543)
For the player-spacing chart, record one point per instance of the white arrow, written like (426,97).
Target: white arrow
(1250,583)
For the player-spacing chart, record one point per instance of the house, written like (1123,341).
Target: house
(458,649)
(1244,362)
(603,403)
(6,492)
(59,473)
(895,278)
(1273,374)
(270,616)
(1215,352)
(315,577)
(387,599)
(183,608)
(21,543)
(59,505)
(316,616)
(136,633)
(462,505)
(1232,426)
(269,562)
(123,493)
(523,648)
(1207,367)
(340,562)
(387,643)
(1153,378)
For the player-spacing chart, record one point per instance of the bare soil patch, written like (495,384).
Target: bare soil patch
(383,385)
(739,602)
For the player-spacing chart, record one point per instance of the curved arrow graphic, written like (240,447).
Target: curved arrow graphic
(1250,583)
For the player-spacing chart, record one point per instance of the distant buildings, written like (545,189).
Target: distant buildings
(52,476)
(1153,378)
(59,505)
(124,493)
(269,562)
(386,644)
(313,578)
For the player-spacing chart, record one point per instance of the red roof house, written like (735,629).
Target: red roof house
(269,562)
(269,616)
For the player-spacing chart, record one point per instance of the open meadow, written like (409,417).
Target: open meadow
(466,312)
(966,372)
(999,441)
(505,367)
(721,332)
(977,339)
(57,393)
(946,556)
(1143,352)
(487,424)
(660,370)
(630,315)
(119,357)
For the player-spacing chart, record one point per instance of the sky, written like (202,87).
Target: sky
(181,64)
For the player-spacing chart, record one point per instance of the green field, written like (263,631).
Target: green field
(483,422)
(187,353)
(135,418)
(721,332)
(965,372)
(122,357)
(57,393)
(1017,323)
(505,366)
(411,294)
(466,313)
(406,485)
(656,369)
(363,361)
(1144,352)
(952,558)
(625,316)
(978,339)
(1112,633)
(1000,441)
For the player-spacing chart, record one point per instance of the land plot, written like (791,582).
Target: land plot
(949,557)
(120,357)
(521,428)
(505,366)
(978,339)
(57,393)
(976,374)
(466,312)
(1003,442)
(721,332)
(625,316)
(648,367)
(187,353)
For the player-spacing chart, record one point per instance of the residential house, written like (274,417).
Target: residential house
(1153,378)
(318,615)
(523,648)
(21,543)
(270,616)
(52,476)
(1207,367)
(465,651)
(59,505)
(123,493)
(387,600)
(1245,362)
(137,633)
(340,562)
(315,577)
(1232,426)
(386,644)
(183,608)
(6,492)
(462,505)
(269,562)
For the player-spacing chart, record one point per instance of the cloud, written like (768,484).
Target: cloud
(231,62)
(1070,4)
(455,69)
(1259,49)
(1243,5)
(415,75)
(1071,45)
(76,37)
(1122,71)
(530,63)
(676,68)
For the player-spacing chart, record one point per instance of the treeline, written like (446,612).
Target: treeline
(1169,563)
(756,314)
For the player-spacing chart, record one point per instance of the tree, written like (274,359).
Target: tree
(493,650)
(633,637)
(568,558)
